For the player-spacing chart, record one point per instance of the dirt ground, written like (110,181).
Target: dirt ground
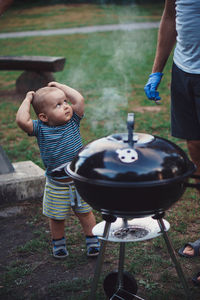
(27,273)
(27,269)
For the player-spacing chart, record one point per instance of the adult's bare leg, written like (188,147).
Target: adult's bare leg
(194,151)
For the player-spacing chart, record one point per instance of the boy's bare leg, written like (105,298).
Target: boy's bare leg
(87,221)
(57,228)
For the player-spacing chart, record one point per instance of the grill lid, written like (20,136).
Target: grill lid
(113,159)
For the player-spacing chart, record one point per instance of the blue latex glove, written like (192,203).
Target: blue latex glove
(151,86)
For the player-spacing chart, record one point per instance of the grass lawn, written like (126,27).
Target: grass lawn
(110,69)
(42,16)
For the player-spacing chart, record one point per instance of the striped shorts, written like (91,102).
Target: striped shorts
(60,197)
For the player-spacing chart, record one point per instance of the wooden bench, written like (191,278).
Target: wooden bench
(37,70)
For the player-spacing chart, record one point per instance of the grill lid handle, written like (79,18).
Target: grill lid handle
(130,127)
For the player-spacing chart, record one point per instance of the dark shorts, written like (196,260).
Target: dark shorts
(185,104)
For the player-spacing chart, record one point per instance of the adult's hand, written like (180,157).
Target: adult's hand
(152,85)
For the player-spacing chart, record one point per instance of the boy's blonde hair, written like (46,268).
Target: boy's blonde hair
(40,98)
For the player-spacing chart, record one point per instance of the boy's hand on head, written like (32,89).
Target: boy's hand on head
(74,97)
(54,84)
(30,96)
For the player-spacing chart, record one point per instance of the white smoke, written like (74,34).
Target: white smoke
(107,110)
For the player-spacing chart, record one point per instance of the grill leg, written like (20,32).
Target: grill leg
(99,261)
(174,259)
(121,259)
(121,265)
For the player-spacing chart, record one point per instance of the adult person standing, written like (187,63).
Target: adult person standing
(180,25)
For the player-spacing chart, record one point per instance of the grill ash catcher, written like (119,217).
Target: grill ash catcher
(132,179)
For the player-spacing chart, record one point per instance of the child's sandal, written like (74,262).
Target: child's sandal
(93,246)
(59,248)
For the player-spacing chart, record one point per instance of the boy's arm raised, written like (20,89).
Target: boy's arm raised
(76,99)
(23,117)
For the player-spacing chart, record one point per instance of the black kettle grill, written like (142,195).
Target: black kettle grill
(131,175)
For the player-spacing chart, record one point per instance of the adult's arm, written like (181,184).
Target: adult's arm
(166,36)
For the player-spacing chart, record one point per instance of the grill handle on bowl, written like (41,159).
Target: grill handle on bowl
(130,127)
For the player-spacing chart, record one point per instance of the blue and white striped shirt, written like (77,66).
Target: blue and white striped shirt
(58,144)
